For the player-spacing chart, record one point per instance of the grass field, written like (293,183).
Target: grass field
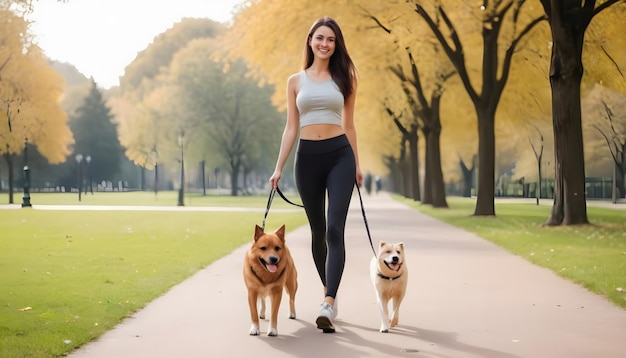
(69,276)
(593,256)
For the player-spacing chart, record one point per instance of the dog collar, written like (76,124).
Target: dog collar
(388,278)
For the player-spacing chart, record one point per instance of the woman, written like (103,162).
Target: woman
(320,104)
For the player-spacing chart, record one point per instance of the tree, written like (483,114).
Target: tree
(605,114)
(434,188)
(539,157)
(494,75)
(429,112)
(616,142)
(409,164)
(96,136)
(226,112)
(143,109)
(468,176)
(30,93)
(569,20)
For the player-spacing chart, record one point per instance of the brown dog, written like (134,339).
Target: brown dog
(267,268)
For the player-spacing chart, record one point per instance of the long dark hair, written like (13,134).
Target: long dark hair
(341,67)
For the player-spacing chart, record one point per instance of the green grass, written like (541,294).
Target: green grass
(593,256)
(82,272)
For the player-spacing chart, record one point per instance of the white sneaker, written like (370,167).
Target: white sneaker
(325,318)
(335,309)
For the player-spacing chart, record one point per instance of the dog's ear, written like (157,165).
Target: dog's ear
(280,232)
(258,232)
(401,244)
(381,244)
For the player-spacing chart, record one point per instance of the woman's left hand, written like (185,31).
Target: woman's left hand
(359,177)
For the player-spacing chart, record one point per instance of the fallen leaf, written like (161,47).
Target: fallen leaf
(26,309)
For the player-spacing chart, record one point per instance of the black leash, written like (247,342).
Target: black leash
(274,190)
(367,228)
(269,203)
(287,200)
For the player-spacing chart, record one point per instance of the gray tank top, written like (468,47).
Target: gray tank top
(318,102)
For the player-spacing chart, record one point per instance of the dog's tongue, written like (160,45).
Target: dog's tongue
(394,267)
(271,268)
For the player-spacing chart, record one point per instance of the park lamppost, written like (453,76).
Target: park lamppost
(26,198)
(79,160)
(181,192)
(88,186)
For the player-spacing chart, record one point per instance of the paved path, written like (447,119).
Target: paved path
(466,298)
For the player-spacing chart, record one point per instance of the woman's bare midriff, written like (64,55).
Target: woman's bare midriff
(320,131)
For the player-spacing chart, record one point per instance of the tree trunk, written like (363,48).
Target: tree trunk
(468,174)
(566,71)
(156,179)
(390,163)
(413,140)
(427,197)
(406,177)
(403,174)
(409,164)
(437,186)
(538,189)
(203,163)
(234,179)
(486,158)
(620,173)
(142,174)
(9,161)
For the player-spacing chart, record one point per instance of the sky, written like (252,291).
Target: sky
(101,37)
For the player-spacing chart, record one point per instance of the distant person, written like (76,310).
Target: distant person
(368,183)
(379,184)
(320,101)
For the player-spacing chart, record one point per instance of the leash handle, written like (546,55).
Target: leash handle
(367,228)
(269,203)
(267,209)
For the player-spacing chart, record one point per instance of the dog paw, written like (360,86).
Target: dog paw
(292,315)
(262,316)
(384,329)
(254,330)
(272,332)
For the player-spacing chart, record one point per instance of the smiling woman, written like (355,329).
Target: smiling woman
(101,37)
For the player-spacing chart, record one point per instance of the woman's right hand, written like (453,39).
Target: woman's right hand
(274,179)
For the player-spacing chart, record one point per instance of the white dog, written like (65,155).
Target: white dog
(389,276)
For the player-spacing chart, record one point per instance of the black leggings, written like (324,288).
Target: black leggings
(321,166)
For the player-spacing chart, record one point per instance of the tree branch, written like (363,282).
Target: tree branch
(612,60)
(608,142)
(387,30)
(5,62)
(417,84)
(396,120)
(508,56)
(455,55)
